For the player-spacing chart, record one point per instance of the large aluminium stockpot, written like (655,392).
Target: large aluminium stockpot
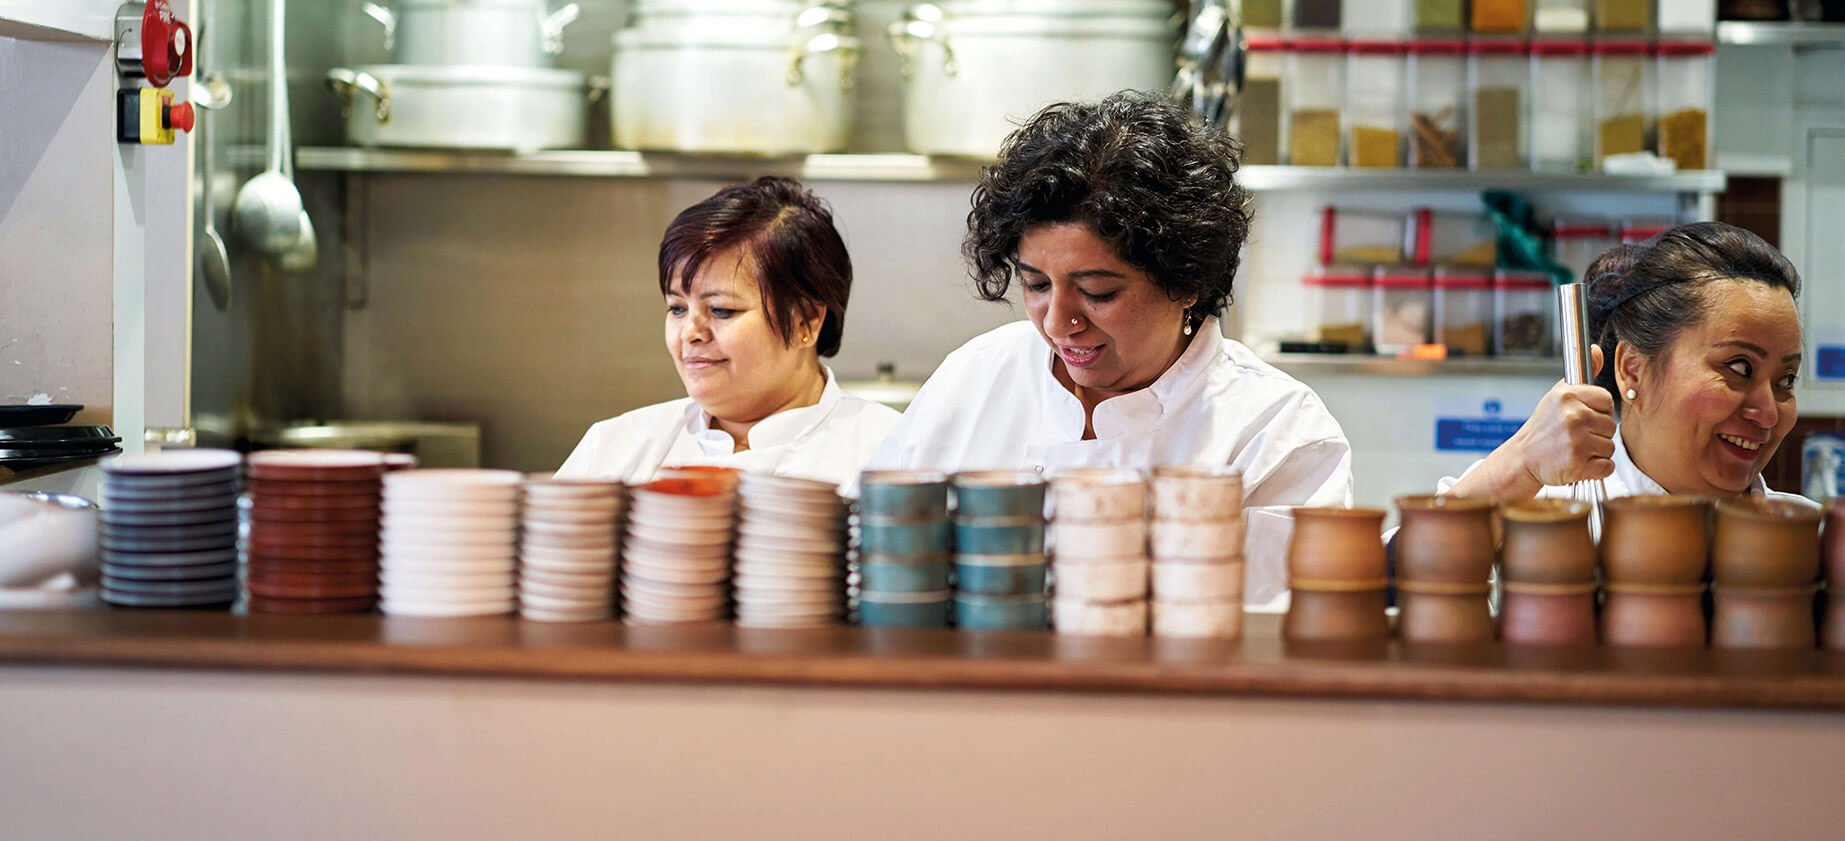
(507,33)
(517,108)
(974,68)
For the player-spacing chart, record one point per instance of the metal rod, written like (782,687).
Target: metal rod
(1579,369)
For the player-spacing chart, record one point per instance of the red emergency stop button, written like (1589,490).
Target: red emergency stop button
(179,117)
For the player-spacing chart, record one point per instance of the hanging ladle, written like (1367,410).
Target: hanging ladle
(268,210)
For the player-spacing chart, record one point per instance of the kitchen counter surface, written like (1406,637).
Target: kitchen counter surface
(1259,666)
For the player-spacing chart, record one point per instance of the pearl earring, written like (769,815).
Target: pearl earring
(1188,328)
(1630,394)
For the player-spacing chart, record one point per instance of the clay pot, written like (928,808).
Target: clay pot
(1765,543)
(1547,541)
(1656,539)
(1340,545)
(1441,617)
(1330,615)
(1835,544)
(1445,539)
(1653,619)
(1562,614)
(1834,624)
(1763,618)
(1197,493)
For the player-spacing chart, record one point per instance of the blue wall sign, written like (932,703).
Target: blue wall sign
(1476,434)
(1831,362)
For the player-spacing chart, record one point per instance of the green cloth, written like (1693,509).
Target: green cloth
(1523,243)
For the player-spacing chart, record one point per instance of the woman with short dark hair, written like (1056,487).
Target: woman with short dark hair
(755,280)
(1706,346)
(1122,223)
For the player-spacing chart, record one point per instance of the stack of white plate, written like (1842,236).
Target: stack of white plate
(1197,542)
(791,553)
(676,558)
(449,542)
(567,556)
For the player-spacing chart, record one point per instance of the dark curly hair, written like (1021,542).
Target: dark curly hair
(1141,172)
(1646,293)
(786,234)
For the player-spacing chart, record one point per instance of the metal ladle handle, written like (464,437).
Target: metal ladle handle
(1579,369)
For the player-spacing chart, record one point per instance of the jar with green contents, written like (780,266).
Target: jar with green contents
(1628,17)
(1441,17)
(1316,101)
(1623,98)
(1263,14)
(1498,75)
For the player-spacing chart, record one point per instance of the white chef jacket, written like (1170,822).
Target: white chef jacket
(828,441)
(995,403)
(1627,480)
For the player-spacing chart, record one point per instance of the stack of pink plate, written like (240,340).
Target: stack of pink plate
(449,542)
(567,556)
(676,559)
(791,553)
(312,541)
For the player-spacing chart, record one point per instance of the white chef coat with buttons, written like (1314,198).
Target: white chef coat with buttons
(829,441)
(995,403)
(1627,480)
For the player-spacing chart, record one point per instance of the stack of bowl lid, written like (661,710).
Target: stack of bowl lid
(450,542)
(1444,565)
(312,541)
(790,553)
(1197,541)
(169,529)
(676,555)
(1000,568)
(904,542)
(567,555)
(1098,539)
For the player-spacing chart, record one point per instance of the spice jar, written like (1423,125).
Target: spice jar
(1499,17)
(1316,98)
(1565,16)
(1440,16)
(1562,118)
(1403,309)
(1437,97)
(1687,17)
(1341,298)
(1462,239)
(1342,546)
(1577,241)
(1624,16)
(1547,541)
(1498,74)
(1258,105)
(1623,98)
(1362,236)
(1375,103)
(1316,14)
(1524,303)
(1375,18)
(1464,310)
(1684,73)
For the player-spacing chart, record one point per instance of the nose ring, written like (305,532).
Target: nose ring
(1075,320)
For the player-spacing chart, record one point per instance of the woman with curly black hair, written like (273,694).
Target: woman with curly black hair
(1122,222)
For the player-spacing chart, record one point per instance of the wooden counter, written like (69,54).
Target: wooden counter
(1261,665)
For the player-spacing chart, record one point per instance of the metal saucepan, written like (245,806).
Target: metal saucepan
(518,108)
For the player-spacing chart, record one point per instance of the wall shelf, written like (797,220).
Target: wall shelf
(1303,365)
(1781,34)
(923,168)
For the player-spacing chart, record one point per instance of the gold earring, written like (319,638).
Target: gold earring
(807,338)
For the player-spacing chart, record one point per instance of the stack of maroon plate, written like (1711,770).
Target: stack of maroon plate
(312,542)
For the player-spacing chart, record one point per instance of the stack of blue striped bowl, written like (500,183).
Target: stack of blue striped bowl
(169,529)
(904,541)
(999,551)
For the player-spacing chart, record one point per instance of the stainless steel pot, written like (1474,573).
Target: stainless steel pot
(521,109)
(507,33)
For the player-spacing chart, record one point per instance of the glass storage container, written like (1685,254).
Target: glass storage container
(1403,309)
(1626,17)
(1687,17)
(1498,73)
(1341,301)
(1684,74)
(1560,17)
(1375,103)
(1577,241)
(1437,103)
(1362,236)
(1464,310)
(1441,17)
(1460,239)
(1499,17)
(1315,14)
(1640,228)
(1375,18)
(1316,98)
(1258,107)
(1562,117)
(1524,308)
(1265,14)
(1623,98)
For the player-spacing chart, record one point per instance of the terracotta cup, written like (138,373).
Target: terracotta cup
(1331,615)
(1445,539)
(1656,539)
(1834,624)
(1548,614)
(1653,619)
(1835,545)
(1340,545)
(1765,543)
(1431,617)
(1763,618)
(1547,541)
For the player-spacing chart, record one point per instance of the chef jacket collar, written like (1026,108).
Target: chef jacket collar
(1628,475)
(1136,411)
(785,427)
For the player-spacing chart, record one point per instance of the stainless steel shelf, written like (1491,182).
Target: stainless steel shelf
(616,164)
(1750,33)
(1304,365)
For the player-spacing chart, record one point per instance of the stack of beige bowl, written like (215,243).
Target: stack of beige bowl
(791,553)
(567,554)
(1099,552)
(676,558)
(448,545)
(1197,552)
